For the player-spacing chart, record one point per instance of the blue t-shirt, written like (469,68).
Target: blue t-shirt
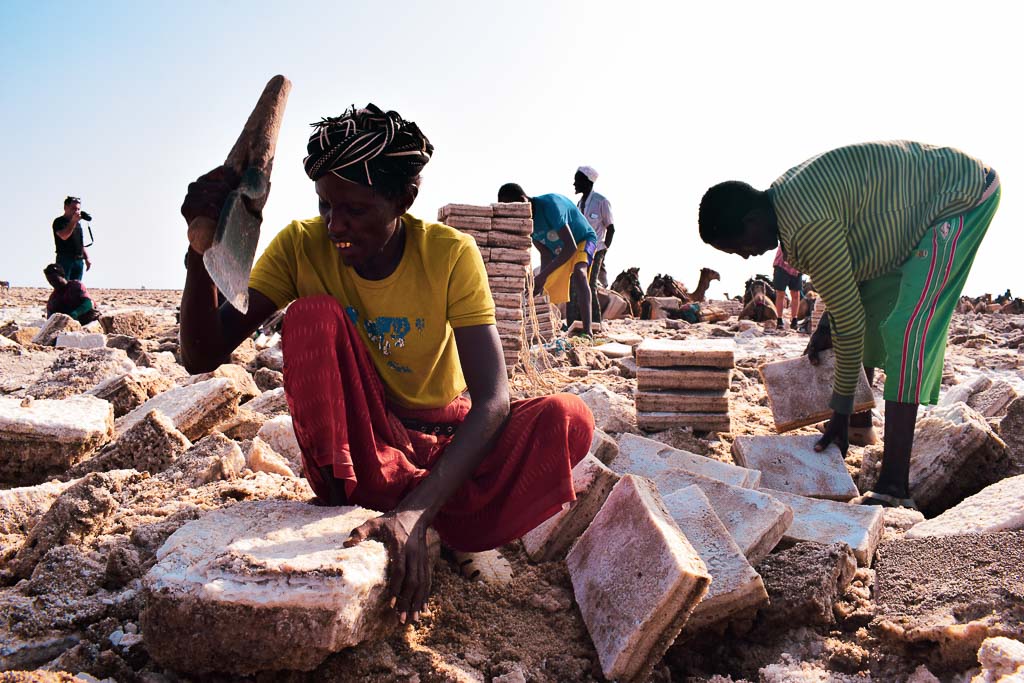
(550,213)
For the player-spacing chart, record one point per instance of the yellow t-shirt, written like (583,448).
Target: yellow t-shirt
(406,319)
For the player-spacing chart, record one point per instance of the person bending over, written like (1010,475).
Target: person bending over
(888,232)
(390,322)
(558,223)
(68,296)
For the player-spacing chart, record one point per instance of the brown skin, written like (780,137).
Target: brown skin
(582,185)
(371,237)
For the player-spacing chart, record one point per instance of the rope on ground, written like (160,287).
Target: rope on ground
(533,374)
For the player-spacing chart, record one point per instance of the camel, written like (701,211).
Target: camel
(759,300)
(1014,306)
(666,285)
(628,285)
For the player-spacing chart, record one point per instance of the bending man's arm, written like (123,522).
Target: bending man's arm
(824,250)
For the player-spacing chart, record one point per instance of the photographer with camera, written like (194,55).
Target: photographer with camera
(69,241)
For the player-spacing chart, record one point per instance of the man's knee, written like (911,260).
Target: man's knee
(571,411)
(322,308)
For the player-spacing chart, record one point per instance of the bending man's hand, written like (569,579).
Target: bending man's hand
(409,571)
(205,198)
(837,432)
(820,340)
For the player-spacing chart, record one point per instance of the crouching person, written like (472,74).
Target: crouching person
(68,296)
(391,322)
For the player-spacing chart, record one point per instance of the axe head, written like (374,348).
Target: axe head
(229,259)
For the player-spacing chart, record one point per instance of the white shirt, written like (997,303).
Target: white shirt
(598,212)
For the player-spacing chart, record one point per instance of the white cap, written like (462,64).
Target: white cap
(589,171)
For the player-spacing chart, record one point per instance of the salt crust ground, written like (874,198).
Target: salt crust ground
(528,630)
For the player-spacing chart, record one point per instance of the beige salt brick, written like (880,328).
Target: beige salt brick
(999,507)
(826,521)
(42,438)
(680,402)
(508,240)
(755,520)
(789,463)
(514,270)
(683,378)
(510,255)
(636,553)
(603,447)
(515,226)
(464,210)
(512,210)
(507,284)
(799,393)
(195,410)
(260,572)
(648,458)
(716,353)
(509,314)
(478,223)
(508,299)
(703,422)
(735,587)
(551,540)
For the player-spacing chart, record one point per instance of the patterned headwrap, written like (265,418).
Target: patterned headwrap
(367,146)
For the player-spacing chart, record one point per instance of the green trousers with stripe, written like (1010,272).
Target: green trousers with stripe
(908,311)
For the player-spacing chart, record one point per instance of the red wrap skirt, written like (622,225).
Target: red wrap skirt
(344,421)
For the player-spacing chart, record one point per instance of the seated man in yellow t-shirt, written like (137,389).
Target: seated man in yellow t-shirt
(391,321)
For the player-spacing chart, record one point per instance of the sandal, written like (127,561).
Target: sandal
(883,500)
(488,566)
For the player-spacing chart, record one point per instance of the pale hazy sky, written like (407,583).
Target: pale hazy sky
(124,103)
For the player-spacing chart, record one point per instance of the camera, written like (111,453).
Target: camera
(86,216)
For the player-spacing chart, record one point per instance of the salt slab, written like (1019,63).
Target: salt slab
(735,586)
(636,580)
(654,421)
(279,433)
(551,540)
(999,507)
(81,340)
(259,576)
(826,521)
(42,438)
(789,463)
(194,409)
(695,401)
(716,353)
(799,393)
(683,378)
(647,458)
(755,520)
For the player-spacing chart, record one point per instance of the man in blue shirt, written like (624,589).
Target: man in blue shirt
(566,243)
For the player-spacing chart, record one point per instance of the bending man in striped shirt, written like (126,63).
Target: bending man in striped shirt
(888,232)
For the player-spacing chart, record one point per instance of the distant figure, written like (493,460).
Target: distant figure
(68,296)
(557,224)
(68,239)
(786,277)
(598,211)
(888,232)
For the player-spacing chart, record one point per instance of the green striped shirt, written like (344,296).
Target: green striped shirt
(857,213)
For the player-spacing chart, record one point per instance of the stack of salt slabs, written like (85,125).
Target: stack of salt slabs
(684,383)
(502,232)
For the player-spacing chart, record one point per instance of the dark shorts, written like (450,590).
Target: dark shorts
(783,280)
